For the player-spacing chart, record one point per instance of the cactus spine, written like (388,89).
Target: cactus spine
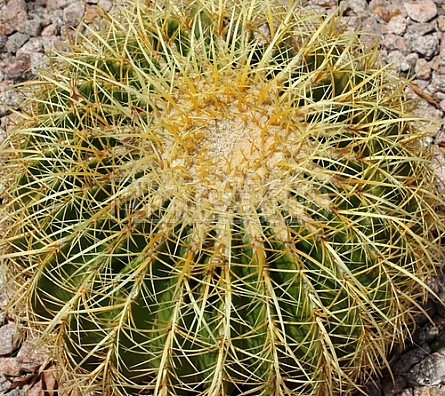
(219,199)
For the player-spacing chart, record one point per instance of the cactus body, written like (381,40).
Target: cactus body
(223,200)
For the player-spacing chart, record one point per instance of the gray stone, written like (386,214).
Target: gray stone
(441,23)
(49,42)
(325,3)
(410,359)
(7,335)
(435,62)
(15,41)
(429,333)
(429,372)
(18,392)
(4,383)
(34,50)
(74,13)
(31,27)
(55,17)
(371,29)
(393,42)
(356,6)
(427,46)
(33,45)
(411,61)
(442,52)
(438,82)
(426,110)
(351,22)
(316,8)
(36,7)
(392,387)
(439,343)
(396,59)
(3,40)
(397,25)
(420,29)
(65,3)
(421,10)
(8,99)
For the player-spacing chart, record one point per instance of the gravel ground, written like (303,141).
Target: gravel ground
(412,39)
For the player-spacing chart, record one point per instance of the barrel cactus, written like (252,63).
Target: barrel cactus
(219,198)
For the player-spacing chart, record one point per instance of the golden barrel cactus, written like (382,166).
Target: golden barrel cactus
(219,198)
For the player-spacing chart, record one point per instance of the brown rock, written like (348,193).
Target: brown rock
(16,6)
(29,358)
(429,391)
(91,13)
(107,4)
(382,13)
(7,28)
(9,366)
(421,10)
(12,15)
(36,389)
(50,30)
(423,69)
(16,68)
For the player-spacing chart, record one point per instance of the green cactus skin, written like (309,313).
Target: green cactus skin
(232,200)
